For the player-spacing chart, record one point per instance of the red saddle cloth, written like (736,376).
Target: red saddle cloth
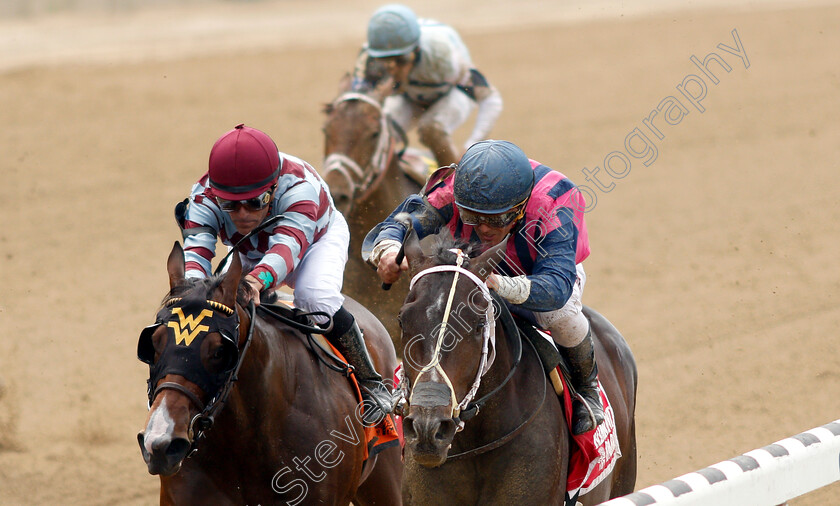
(593,455)
(380,436)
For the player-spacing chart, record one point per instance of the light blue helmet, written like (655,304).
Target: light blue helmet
(493,177)
(393,30)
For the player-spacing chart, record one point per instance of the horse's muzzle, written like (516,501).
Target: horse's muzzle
(428,434)
(164,455)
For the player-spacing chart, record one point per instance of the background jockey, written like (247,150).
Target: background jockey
(496,191)
(435,85)
(248,182)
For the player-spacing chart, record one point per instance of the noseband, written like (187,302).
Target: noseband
(363,180)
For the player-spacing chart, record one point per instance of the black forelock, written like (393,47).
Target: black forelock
(441,253)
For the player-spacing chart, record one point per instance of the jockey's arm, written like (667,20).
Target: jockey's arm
(368,71)
(201,224)
(425,220)
(290,236)
(489,102)
(514,289)
(549,284)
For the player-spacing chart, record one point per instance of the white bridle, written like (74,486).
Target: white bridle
(488,347)
(363,179)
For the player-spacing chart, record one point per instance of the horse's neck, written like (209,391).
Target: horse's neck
(282,372)
(389,192)
(271,369)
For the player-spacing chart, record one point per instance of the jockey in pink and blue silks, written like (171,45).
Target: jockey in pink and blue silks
(249,182)
(494,192)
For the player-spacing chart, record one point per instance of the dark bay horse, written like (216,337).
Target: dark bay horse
(514,449)
(243,412)
(365,167)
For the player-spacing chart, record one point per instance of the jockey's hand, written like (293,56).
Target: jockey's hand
(254,286)
(492,282)
(388,270)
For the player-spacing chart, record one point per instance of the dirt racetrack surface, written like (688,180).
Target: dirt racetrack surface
(715,252)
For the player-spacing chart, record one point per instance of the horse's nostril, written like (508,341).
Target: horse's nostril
(409,431)
(178,448)
(445,430)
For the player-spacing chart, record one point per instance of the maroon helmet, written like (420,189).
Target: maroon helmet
(243,164)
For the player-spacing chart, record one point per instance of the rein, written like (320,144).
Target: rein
(510,329)
(513,433)
(276,311)
(363,180)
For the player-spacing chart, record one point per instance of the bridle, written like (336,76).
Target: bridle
(467,408)
(204,419)
(488,336)
(363,180)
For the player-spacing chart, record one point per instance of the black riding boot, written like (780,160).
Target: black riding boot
(348,338)
(584,375)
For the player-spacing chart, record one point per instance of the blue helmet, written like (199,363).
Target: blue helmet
(493,177)
(393,30)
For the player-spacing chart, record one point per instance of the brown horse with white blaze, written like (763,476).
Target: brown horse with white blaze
(366,171)
(242,410)
(482,424)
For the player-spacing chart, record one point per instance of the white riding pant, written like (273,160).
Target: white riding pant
(319,276)
(450,111)
(567,325)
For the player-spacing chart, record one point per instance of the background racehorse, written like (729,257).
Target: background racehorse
(288,432)
(367,180)
(515,449)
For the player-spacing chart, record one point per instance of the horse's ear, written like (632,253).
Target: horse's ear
(230,282)
(175,266)
(383,89)
(344,83)
(413,251)
(484,265)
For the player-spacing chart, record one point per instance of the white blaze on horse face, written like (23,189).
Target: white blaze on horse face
(436,307)
(160,427)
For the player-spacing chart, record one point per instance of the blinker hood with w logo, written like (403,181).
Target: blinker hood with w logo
(189,321)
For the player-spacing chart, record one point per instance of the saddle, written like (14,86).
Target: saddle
(549,356)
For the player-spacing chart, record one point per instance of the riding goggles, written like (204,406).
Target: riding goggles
(500,220)
(253,204)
